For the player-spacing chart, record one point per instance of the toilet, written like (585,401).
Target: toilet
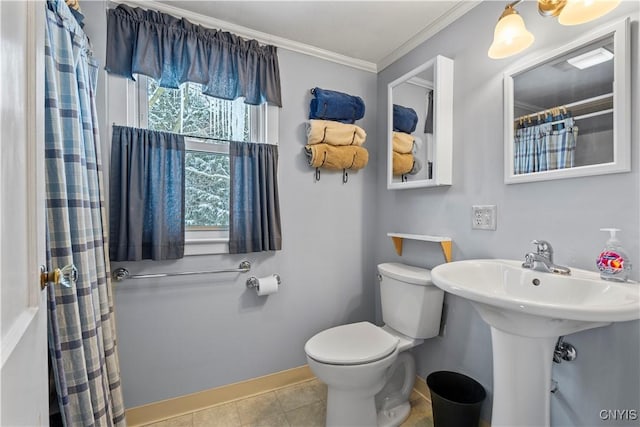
(367,370)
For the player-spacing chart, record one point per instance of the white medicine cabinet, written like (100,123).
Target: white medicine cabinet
(420,126)
(567,110)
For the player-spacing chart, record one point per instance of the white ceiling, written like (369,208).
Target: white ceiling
(373,32)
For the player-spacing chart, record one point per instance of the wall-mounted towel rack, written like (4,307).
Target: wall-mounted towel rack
(345,176)
(120,274)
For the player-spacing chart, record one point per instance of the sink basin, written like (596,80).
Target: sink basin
(527,311)
(504,284)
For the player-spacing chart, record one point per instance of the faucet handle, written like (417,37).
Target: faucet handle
(529,259)
(544,248)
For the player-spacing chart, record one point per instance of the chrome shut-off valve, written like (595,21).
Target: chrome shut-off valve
(564,351)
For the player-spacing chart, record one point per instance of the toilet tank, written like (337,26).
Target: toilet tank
(411,304)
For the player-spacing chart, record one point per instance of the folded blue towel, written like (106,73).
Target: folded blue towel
(405,119)
(337,106)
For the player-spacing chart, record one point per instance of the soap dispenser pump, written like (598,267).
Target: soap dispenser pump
(613,261)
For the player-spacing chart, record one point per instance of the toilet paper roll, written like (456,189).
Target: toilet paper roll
(267,285)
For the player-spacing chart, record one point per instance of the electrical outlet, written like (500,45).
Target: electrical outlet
(484,217)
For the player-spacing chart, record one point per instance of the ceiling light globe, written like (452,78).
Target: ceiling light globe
(510,37)
(577,12)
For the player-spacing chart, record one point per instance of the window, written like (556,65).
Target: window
(208,125)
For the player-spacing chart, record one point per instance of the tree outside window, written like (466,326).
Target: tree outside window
(209,124)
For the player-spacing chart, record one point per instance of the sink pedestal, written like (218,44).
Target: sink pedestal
(521,379)
(523,347)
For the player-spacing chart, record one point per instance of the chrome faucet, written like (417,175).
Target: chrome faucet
(542,259)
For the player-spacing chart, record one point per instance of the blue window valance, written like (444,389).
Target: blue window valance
(173,51)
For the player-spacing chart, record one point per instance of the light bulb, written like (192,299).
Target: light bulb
(510,36)
(577,12)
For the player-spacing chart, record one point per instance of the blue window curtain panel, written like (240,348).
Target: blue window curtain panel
(147,195)
(81,325)
(174,51)
(254,205)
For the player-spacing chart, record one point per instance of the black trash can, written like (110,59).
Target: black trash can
(456,399)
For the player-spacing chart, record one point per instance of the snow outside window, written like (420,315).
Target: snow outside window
(208,125)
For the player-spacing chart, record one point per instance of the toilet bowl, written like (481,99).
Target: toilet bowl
(368,372)
(354,374)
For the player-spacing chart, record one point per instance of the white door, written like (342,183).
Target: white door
(23,340)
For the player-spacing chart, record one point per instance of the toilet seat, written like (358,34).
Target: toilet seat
(352,344)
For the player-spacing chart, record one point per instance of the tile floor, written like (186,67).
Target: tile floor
(300,405)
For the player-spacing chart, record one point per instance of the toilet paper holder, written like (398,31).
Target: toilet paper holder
(252,282)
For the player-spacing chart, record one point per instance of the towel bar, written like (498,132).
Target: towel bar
(120,274)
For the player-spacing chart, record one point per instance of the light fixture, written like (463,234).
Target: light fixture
(511,36)
(591,58)
(577,12)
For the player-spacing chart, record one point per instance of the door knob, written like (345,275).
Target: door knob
(59,276)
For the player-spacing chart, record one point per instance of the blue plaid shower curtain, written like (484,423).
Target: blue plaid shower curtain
(545,146)
(81,325)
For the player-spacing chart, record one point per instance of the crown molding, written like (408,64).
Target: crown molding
(248,33)
(441,23)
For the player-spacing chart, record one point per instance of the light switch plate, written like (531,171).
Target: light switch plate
(484,217)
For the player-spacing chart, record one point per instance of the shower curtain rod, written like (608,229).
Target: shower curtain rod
(121,274)
(583,116)
(593,100)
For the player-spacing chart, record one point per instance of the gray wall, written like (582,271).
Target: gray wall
(568,213)
(182,335)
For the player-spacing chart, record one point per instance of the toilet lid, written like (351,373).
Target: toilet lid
(351,344)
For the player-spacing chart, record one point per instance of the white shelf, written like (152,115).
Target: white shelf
(423,237)
(445,242)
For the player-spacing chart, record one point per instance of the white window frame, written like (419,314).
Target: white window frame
(197,241)
(264,129)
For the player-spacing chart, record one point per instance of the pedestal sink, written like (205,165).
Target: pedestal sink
(527,311)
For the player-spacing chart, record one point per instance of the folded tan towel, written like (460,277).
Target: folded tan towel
(73,4)
(402,142)
(338,158)
(402,163)
(334,133)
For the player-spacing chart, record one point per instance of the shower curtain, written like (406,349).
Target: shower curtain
(545,145)
(81,328)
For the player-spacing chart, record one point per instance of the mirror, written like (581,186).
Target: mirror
(420,118)
(567,112)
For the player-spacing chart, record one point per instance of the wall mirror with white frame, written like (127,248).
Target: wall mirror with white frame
(567,110)
(420,126)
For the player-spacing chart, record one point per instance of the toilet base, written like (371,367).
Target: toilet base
(395,416)
(346,408)
(392,403)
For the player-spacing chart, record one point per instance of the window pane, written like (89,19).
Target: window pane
(206,190)
(187,111)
